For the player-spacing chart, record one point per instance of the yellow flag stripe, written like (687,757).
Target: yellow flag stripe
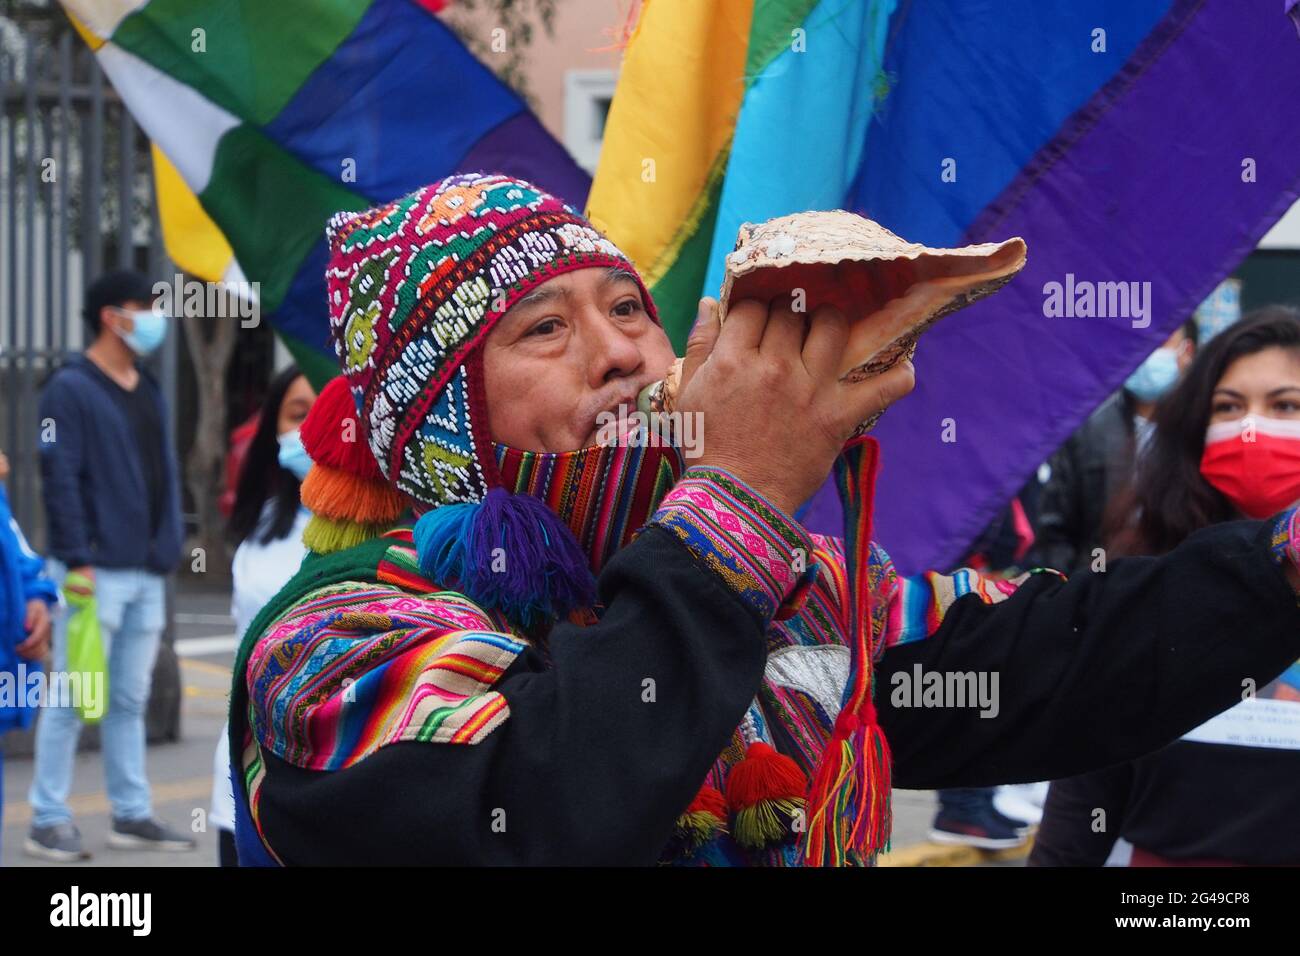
(192,239)
(92,41)
(669,129)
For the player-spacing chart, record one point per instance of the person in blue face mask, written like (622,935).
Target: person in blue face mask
(111,491)
(1156,377)
(266,525)
(1098,459)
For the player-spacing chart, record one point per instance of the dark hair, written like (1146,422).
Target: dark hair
(261,476)
(114,288)
(1169,498)
(1192,331)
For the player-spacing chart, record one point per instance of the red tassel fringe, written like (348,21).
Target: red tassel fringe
(333,436)
(764,774)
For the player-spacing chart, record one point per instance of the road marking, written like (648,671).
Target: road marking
(207,667)
(197,646)
(190,788)
(192,691)
(184,617)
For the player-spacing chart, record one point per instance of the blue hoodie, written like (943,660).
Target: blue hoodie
(22,578)
(97,503)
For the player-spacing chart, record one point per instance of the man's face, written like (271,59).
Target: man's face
(577,346)
(119,318)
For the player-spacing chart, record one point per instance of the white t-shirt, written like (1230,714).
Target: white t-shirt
(258,572)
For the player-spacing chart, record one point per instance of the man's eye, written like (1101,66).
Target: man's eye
(628,307)
(544,328)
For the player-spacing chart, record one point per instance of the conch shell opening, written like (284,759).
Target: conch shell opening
(891,290)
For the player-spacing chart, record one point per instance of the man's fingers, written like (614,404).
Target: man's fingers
(34,647)
(744,329)
(863,399)
(784,333)
(704,336)
(823,350)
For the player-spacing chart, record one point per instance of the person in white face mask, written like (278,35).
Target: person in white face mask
(267,524)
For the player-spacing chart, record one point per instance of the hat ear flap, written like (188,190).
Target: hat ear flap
(345,489)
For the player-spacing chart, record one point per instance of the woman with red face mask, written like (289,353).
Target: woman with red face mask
(1226,446)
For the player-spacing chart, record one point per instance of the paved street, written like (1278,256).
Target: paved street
(181,772)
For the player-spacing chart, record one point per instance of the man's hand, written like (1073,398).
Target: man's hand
(76,587)
(37,644)
(774,411)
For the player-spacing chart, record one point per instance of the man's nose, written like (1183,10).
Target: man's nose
(612,354)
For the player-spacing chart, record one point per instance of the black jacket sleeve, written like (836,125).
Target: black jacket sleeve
(1100,669)
(601,752)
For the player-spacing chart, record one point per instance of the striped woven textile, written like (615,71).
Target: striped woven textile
(351,668)
(604,494)
(735,533)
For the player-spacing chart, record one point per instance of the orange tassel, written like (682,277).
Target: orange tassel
(340,496)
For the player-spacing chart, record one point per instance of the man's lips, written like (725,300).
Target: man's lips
(623,421)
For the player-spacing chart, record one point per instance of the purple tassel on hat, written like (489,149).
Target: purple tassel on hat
(508,552)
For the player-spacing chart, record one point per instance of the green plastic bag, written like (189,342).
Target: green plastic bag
(86,649)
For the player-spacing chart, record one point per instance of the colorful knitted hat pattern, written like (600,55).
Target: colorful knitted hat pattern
(414,287)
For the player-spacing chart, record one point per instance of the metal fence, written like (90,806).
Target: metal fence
(76,199)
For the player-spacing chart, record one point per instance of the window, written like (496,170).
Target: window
(587,95)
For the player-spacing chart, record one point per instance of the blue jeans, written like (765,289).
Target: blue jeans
(131,608)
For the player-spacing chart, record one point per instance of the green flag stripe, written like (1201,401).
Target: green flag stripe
(249,58)
(677,294)
(770,32)
(318,367)
(271,207)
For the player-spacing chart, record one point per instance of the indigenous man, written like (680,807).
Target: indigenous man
(511,644)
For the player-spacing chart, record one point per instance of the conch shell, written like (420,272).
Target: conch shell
(890,289)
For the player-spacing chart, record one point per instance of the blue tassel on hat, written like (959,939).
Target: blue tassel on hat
(539,572)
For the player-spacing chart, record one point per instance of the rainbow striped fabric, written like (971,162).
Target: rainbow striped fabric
(604,494)
(1130,141)
(352,668)
(271,116)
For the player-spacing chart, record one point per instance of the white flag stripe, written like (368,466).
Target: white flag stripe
(184,123)
(101,17)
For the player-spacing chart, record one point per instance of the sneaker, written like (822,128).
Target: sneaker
(1021,802)
(1020,826)
(60,843)
(967,818)
(147,834)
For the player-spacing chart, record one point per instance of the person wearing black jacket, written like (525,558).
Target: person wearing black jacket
(111,491)
(1096,463)
(449,692)
(1228,791)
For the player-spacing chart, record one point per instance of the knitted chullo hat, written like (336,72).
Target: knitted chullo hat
(414,288)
